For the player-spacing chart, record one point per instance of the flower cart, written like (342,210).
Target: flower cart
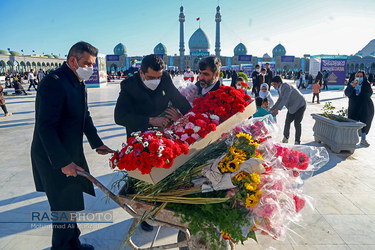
(216,174)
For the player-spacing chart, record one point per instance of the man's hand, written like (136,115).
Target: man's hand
(103,150)
(275,112)
(70,170)
(173,114)
(158,121)
(355,83)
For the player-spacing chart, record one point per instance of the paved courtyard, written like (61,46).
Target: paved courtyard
(343,190)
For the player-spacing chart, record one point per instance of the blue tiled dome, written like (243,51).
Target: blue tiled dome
(120,49)
(240,49)
(4,52)
(199,41)
(279,50)
(160,49)
(15,53)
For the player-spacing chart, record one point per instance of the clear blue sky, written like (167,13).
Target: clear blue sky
(312,27)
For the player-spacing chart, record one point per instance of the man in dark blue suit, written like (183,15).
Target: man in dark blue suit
(62,117)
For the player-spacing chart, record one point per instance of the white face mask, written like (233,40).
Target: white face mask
(258,70)
(84,73)
(152,84)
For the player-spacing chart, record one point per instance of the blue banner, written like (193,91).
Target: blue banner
(287,59)
(244,58)
(303,64)
(336,69)
(112,58)
(127,62)
(259,60)
(199,53)
(229,62)
(247,69)
(171,61)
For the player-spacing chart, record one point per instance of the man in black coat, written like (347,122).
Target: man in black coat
(254,76)
(269,75)
(146,95)
(209,71)
(144,101)
(61,119)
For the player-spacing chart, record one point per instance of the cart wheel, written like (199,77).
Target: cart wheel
(181,236)
(197,242)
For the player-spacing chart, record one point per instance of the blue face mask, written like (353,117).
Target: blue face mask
(360,80)
(277,88)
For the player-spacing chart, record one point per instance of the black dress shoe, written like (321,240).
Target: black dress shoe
(86,247)
(146,227)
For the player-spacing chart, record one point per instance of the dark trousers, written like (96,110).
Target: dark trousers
(4,108)
(325,85)
(317,97)
(65,236)
(32,84)
(297,118)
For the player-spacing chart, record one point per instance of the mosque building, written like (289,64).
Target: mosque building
(199,46)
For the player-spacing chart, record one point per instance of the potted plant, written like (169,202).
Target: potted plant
(336,130)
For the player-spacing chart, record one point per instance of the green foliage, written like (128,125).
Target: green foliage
(340,115)
(243,75)
(210,218)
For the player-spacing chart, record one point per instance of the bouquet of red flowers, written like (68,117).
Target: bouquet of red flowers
(193,126)
(224,102)
(147,150)
(292,159)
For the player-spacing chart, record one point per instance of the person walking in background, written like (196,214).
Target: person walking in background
(31,80)
(254,76)
(234,78)
(361,107)
(41,75)
(269,75)
(2,101)
(316,90)
(293,100)
(319,78)
(325,80)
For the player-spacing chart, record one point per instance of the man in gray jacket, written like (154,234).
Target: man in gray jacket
(294,101)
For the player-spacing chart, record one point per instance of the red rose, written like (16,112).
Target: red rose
(190,140)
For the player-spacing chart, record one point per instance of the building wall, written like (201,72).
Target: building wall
(25,63)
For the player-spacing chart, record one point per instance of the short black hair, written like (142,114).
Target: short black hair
(276,79)
(258,101)
(268,63)
(152,61)
(257,66)
(79,48)
(211,62)
(263,69)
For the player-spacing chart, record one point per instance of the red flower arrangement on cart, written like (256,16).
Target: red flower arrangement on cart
(146,150)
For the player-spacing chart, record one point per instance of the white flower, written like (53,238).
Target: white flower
(145,144)
(214,117)
(160,154)
(191,113)
(161,148)
(129,150)
(138,138)
(136,133)
(159,133)
(196,129)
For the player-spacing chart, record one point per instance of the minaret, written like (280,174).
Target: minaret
(182,43)
(217,43)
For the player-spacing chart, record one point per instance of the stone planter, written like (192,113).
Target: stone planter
(337,135)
